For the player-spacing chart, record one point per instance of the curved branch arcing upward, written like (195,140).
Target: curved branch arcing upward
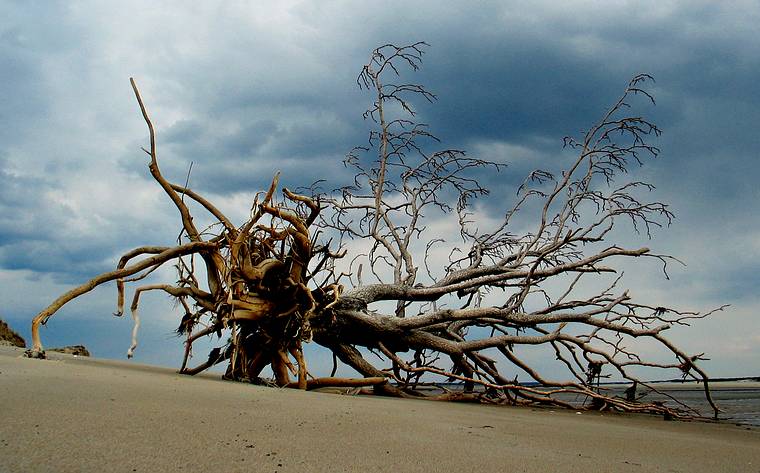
(159,259)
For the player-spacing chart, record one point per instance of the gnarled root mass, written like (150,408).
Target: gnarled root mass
(255,284)
(475,320)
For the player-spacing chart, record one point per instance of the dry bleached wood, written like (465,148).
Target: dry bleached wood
(275,283)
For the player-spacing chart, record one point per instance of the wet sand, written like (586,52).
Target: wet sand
(70,414)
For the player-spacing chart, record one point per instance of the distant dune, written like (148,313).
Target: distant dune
(9,337)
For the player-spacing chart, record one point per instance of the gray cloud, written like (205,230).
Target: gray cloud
(242,93)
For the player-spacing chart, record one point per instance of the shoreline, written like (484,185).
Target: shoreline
(78,414)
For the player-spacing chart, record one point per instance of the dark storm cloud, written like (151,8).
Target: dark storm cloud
(73,263)
(32,37)
(17,194)
(22,84)
(486,94)
(263,145)
(246,158)
(38,231)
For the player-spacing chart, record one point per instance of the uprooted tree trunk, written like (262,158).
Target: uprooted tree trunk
(275,285)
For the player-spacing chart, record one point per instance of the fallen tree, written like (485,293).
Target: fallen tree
(283,278)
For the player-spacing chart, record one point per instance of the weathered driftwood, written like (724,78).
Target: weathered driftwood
(273,283)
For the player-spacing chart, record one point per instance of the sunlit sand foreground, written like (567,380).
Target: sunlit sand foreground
(70,414)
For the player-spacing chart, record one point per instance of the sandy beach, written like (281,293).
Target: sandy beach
(73,414)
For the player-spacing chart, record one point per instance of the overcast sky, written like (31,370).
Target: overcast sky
(242,89)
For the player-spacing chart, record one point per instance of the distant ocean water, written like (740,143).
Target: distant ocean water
(739,405)
(739,402)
